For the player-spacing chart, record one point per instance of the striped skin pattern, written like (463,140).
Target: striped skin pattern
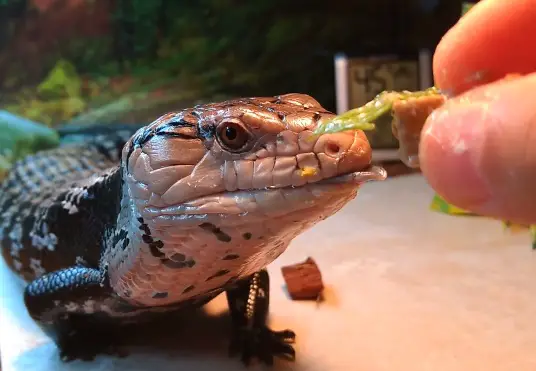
(129,224)
(44,194)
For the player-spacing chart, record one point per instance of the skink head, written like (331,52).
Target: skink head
(244,144)
(246,171)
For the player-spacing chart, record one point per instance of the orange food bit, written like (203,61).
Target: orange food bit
(308,171)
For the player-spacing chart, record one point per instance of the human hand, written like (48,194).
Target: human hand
(478,151)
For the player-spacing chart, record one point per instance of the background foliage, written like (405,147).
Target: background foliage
(129,60)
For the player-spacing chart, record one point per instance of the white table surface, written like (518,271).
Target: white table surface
(408,289)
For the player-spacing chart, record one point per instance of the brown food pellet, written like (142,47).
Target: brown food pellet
(409,118)
(303,280)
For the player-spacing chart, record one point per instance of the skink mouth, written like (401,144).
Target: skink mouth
(268,200)
(372,173)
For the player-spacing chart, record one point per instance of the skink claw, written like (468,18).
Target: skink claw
(263,343)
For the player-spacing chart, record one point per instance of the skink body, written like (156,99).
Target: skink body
(199,202)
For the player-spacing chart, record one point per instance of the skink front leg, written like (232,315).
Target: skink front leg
(248,304)
(63,304)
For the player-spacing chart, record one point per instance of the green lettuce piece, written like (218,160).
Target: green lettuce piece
(362,118)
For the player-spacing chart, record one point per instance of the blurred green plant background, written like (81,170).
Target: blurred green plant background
(82,61)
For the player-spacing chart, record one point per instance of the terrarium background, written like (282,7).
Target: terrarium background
(84,61)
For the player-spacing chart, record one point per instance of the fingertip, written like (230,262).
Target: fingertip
(478,152)
(449,155)
(490,41)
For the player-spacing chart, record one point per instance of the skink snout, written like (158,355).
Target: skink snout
(350,149)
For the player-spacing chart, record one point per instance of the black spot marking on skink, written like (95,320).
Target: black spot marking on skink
(120,238)
(220,235)
(219,273)
(158,244)
(178,265)
(146,238)
(247,236)
(145,228)
(166,130)
(188,289)
(173,264)
(155,251)
(231,257)
(178,257)
(125,243)
(224,237)
(178,122)
(160,295)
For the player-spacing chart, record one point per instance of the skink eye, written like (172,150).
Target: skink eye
(232,136)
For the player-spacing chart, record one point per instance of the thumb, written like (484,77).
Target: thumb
(478,151)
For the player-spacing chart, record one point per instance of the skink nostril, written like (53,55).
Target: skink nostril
(332,149)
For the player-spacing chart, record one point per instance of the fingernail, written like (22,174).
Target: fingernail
(453,140)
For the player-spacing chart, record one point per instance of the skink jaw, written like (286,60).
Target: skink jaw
(373,173)
(269,200)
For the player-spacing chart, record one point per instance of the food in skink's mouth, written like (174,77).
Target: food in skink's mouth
(409,110)
(308,171)
(409,117)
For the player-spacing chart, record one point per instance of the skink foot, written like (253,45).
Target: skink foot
(264,344)
(78,341)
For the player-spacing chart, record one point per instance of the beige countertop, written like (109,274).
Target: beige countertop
(407,290)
